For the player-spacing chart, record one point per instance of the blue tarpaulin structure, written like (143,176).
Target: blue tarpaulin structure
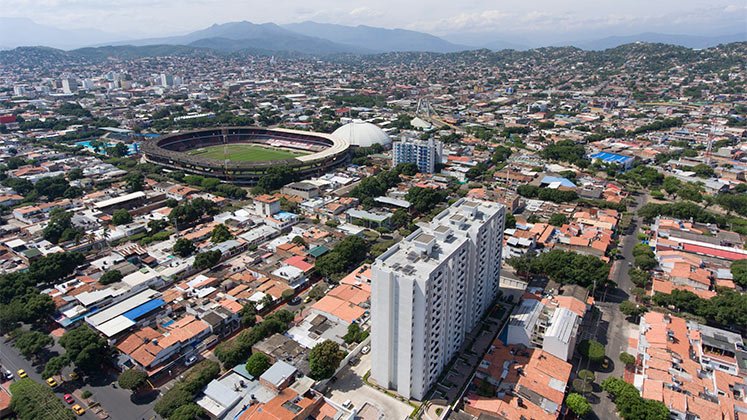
(143,309)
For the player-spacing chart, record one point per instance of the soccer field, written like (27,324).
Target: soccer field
(245,153)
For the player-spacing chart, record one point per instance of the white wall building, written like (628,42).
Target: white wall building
(425,154)
(429,290)
(545,326)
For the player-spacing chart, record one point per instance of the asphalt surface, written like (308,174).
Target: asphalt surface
(613,327)
(119,403)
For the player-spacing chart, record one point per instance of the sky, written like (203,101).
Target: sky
(137,18)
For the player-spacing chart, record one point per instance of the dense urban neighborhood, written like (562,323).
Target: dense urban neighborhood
(542,234)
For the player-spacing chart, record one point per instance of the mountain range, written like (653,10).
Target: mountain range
(314,38)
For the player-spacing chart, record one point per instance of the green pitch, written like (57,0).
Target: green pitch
(245,153)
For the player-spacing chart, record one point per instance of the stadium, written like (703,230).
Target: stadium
(242,155)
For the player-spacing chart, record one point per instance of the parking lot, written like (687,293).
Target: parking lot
(368,401)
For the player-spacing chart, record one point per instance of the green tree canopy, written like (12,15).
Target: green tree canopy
(592,350)
(324,359)
(739,272)
(257,364)
(29,343)
(121,217)
(220,234)
(132,379)
(84,347)
(207,259)
(54,366)
(112,276)
(183,247)
(578,404)
(627,359)
(32,400)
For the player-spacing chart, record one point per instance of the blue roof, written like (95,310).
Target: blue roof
(563,181)
(143,309)
(611,157)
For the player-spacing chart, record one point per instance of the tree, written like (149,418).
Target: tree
(578,404)
(627,359)
(29,343)
(190,411)
(299,241)
(60,227)
(631,309)
(425,199)
(54,366)
(318,291)
(510,221)
(121,217)
(183,247)
(564,267)
(207,259)
(558,219)
(703,171)
(55,267)
(113,276)
(118,150)
(135,181)
(400,218)
(52,187)
(32,400)
(182,394)
(85,348)
(355,334)
(220,234)
(132,379)
(257,364)
(592,350)
(639,277)
(248,314)
(739,272)
(324,359)
(75,173)
(567,151)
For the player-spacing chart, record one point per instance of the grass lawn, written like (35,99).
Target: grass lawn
(245,153)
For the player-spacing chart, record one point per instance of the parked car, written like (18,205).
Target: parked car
(22,373)
(8,374)
(77,409)
(365,349)
(68,398)
(296,300)
(51,382)
(189,361)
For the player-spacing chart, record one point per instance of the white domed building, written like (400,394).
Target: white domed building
(363,134)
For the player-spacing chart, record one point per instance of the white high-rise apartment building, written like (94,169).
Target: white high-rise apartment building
(430,290)
(425,154)
(69,85)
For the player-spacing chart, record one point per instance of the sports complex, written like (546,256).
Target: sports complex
(243,154)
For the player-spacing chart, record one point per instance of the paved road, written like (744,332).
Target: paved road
(117,402)
(613,328)
(350,386)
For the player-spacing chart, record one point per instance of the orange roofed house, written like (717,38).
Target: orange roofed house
(290,405)
(516,382)
(695,370)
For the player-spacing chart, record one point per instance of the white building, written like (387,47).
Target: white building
(425,154)
(69,85)
(547,326)
(430,290)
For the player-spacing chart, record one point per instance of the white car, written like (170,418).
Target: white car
(189,361)
(365,349)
